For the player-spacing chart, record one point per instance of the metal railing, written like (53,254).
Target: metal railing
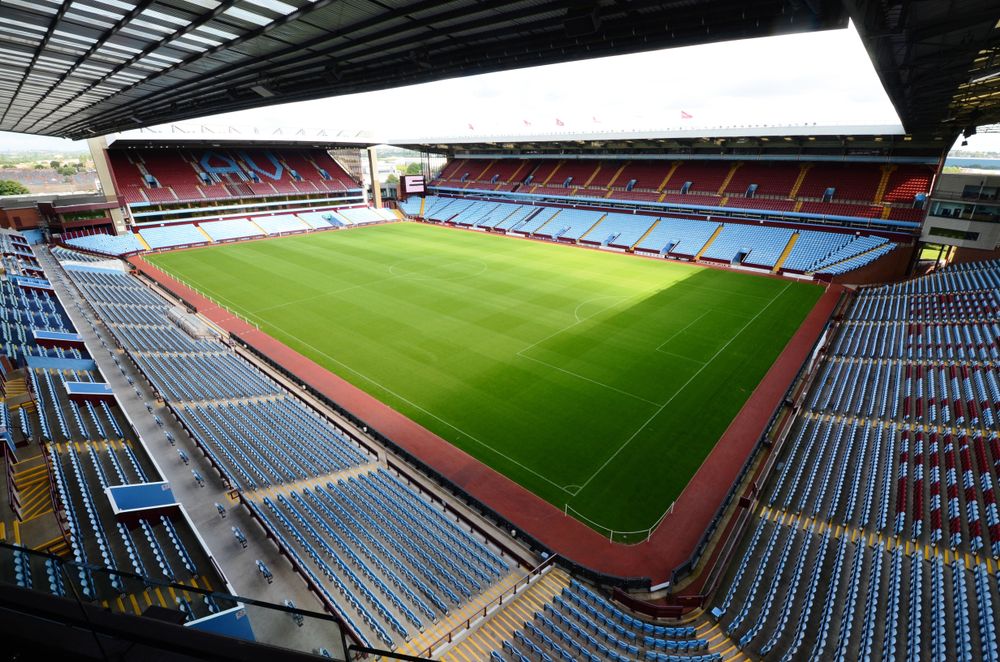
(483,611)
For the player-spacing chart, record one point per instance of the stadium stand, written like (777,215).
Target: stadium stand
(564,619)
(88,447)
(237,228)
(66,255)
(320,220)
(878,533)
(571,224)
(281,223)
(173,236)
(365,215)
(194,234)
(319,494)
(861,190)
(748,244)
(170,175)
(751,245)
(122,244)
(619,230)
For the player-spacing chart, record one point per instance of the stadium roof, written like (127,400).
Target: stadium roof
(205,134)
(938,61)
(712,141)
(86,67)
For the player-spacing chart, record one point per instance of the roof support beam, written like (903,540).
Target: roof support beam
(34,58)
(111,32)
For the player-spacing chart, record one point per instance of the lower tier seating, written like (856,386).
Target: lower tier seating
(107,244)
(750,244)
(172,236)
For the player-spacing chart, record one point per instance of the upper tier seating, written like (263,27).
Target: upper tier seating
(864,190)
(705,176)
(107,244)
(600,180)
(648,175)
(856,182)
(905,183)
(173,235)
(772,179)
(228,173)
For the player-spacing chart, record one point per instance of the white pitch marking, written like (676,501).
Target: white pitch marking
(681,389)
(592,381)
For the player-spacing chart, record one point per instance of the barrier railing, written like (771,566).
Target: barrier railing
(483,611)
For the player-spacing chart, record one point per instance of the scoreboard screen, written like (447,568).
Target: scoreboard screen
(413,184)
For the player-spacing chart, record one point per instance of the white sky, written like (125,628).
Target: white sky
(824,78)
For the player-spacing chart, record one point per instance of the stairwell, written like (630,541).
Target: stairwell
(645,234)
(592,176)
(785,253)
(552,174)
(883,183)
(17,393)
(615,177)
(30,484)
(670,173)
(592,227)
(542,226)
(436,635)
(729,177)
(708,243)
(803,170)
(500,624)
(206,235)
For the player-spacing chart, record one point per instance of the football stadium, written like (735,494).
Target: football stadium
(689,394)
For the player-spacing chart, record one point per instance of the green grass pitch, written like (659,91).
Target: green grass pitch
(593,379)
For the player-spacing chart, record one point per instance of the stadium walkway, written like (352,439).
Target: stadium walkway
(674,540)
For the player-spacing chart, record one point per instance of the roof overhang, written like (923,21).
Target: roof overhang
(874,143)
(199,134)
(83,68)
(938,61)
